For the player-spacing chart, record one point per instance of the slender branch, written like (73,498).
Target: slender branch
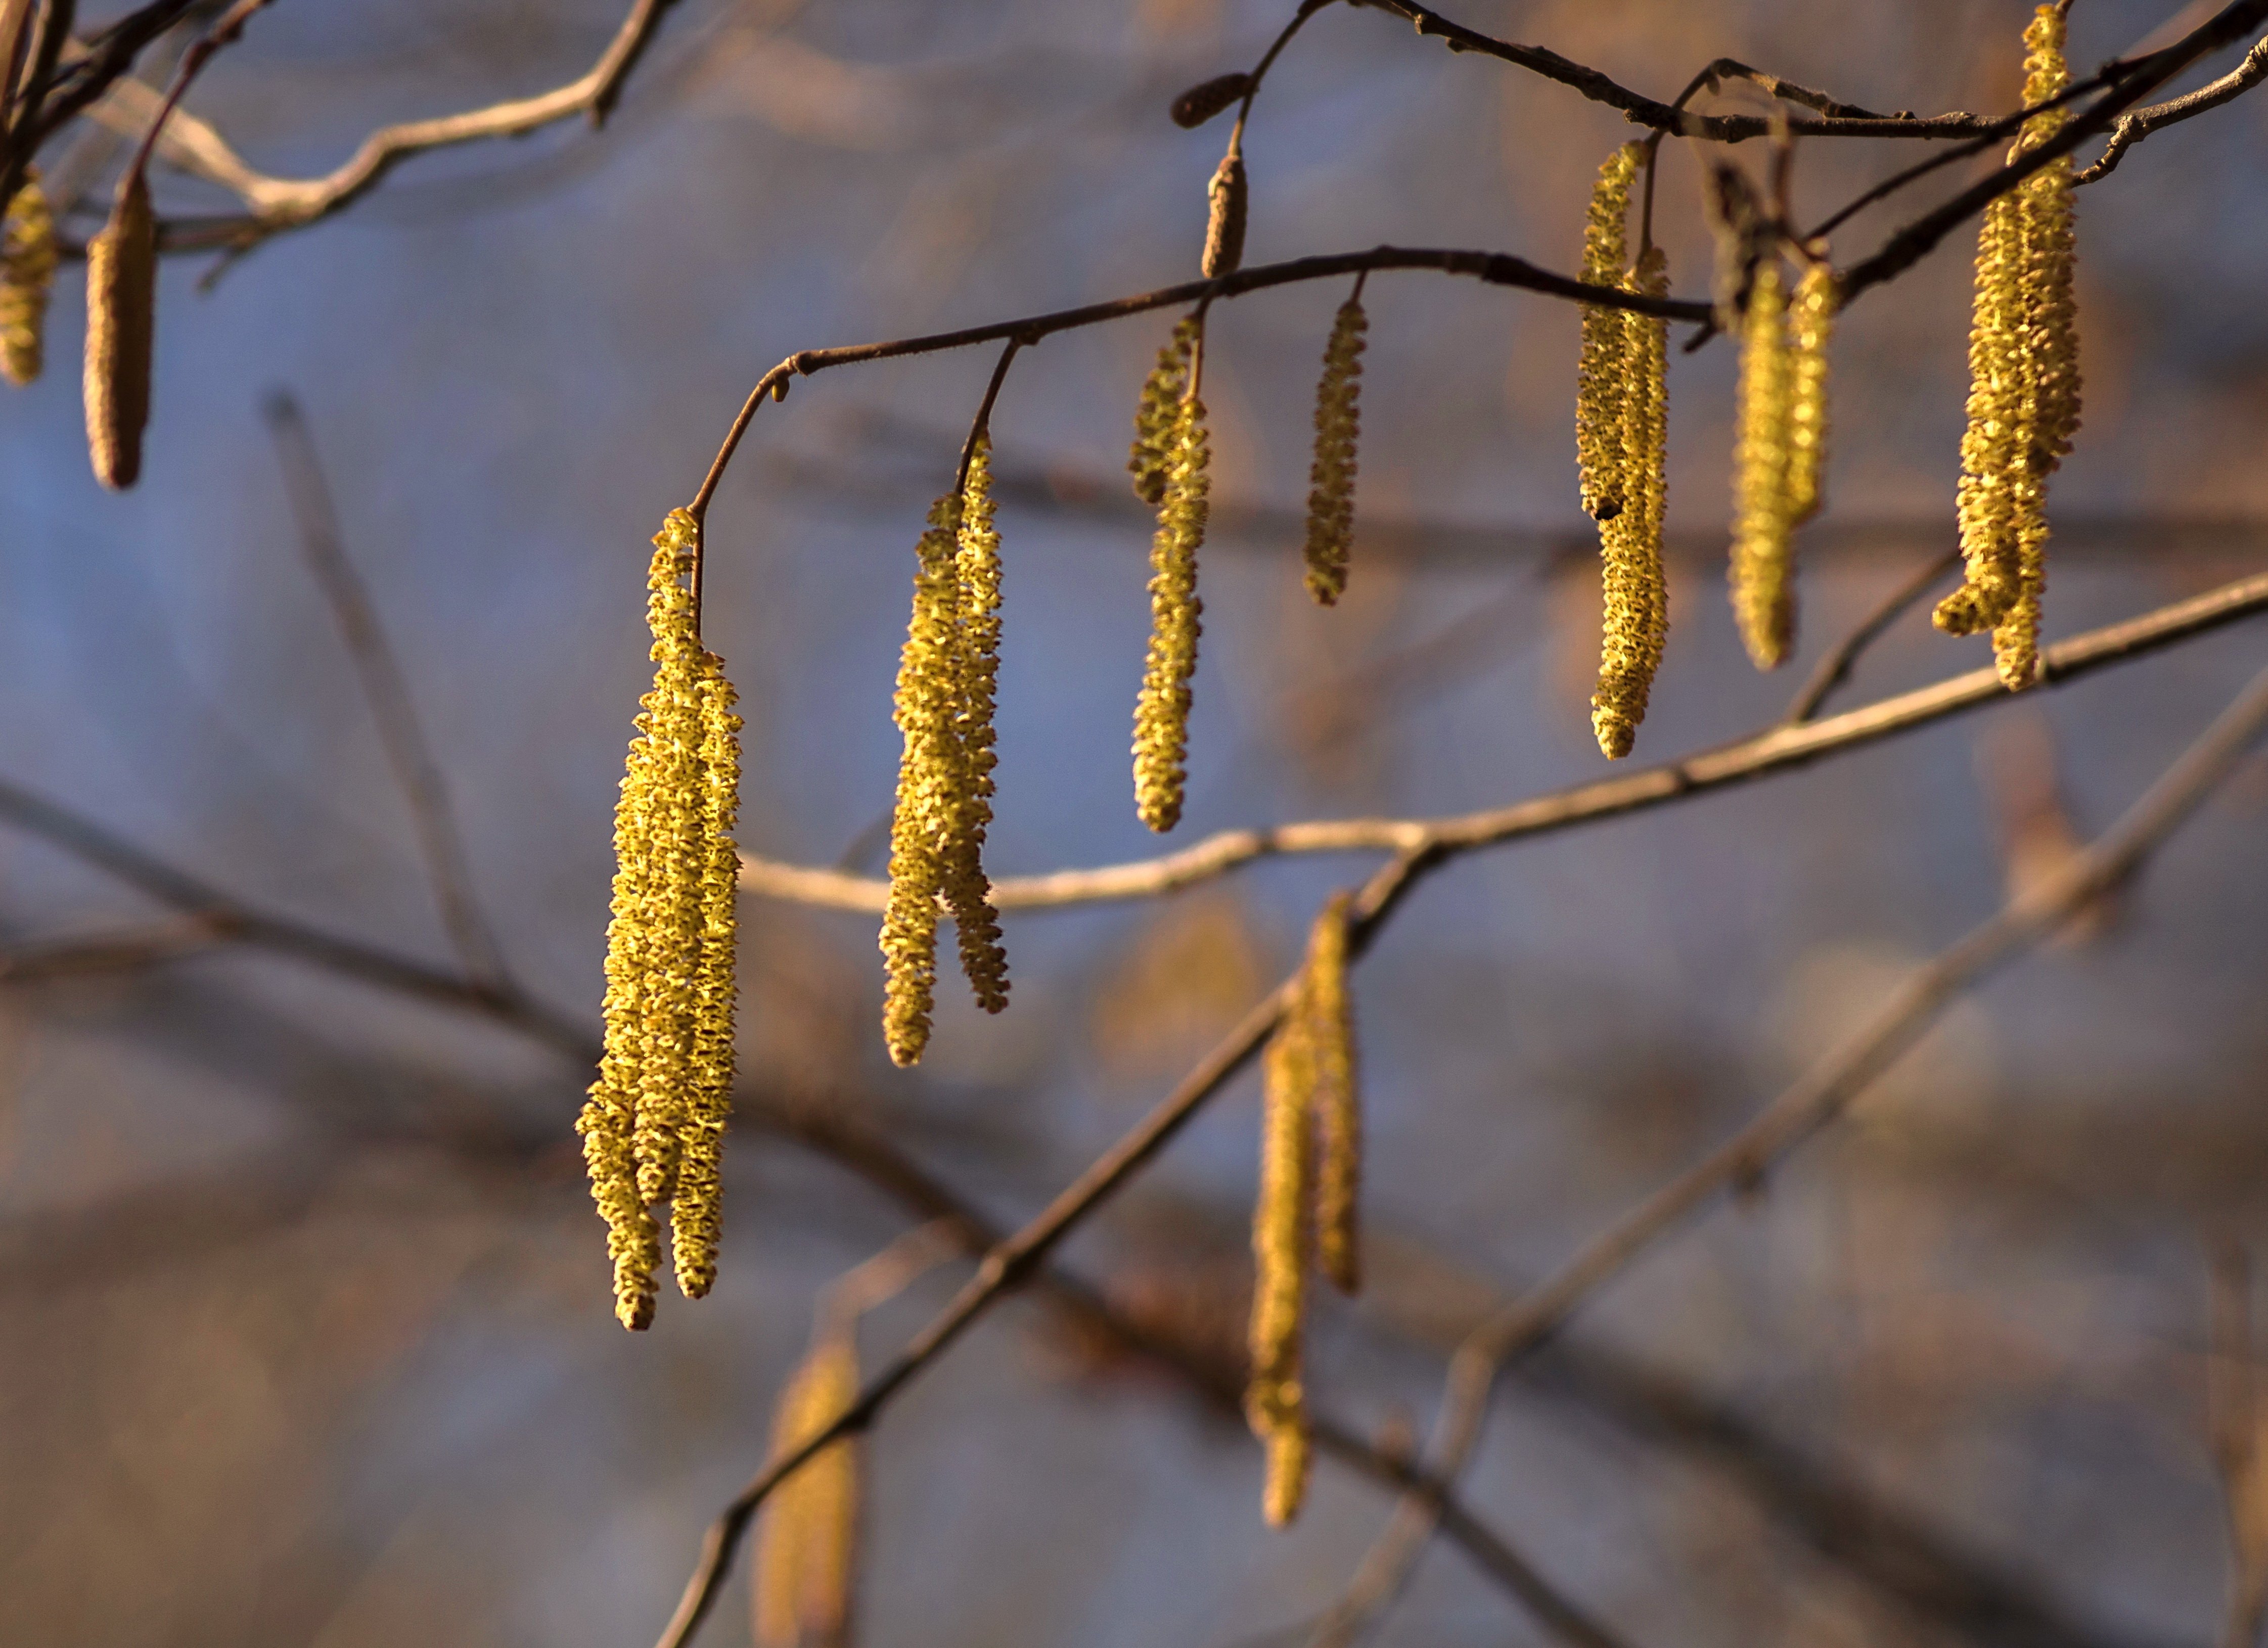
(25,130)
(141,946)
(110,57)
(1836,668)
(1776,749)
(387,691)
(1813,1101)
(2131,128)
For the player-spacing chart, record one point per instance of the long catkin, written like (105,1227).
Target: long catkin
(967,890)
(2024,393)
(1336,1102)
(1635,589)
(1338,429)
(1275,1402)
(1161,712)
(665,1074)
(1599,379)
(122,296)
(27,275)
(1156,412)
(807,1533)
(1762,569)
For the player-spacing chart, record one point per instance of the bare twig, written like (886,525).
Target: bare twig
(2131,128)
(1817,1100)
(1773,750)
(387,691)
(118,951)
(1836,668)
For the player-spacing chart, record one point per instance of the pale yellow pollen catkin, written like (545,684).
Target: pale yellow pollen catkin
(967,890)
(1275,1402)
(122,297)
(2024,395)
(1228,197)
(27,275)
(1635,590)
(1338,428)
(806,1542)
(1810,329)
(656,1111)
(1764,519)
(1161,712)
(1599,381)
(1154,413)
(930,784)
(1328,1012)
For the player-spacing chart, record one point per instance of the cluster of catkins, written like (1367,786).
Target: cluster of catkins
(653,1126)
(122,295)
(2023,410)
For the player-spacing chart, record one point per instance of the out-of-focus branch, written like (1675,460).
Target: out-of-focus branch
(1817,1100)
(2131,128)
(1776,749)
(120,951)
(387,691)
(2232,1417)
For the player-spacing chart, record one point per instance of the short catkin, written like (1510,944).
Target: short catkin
(27,275)
(1762,561)
(1635,590)
(653,1124)
(807,1532)
(2024,383)
(1229,199)
(122,295)
(1161,712)
(1338,429)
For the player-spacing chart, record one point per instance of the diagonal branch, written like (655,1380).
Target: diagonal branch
(2131,128)
(1773,750)
(1815,1100)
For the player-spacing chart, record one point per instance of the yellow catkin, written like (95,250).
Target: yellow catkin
(1228,196)
(1599,379)
(1635,590)
(665,1074)
(1161,713)
(930,784)
(1338,428)
(1810,328)
(977,572)
(1155,412)
(27,274)
(122,295)
(1275,1402)
(2024,395)
(807,1533)
(1336,1103)
(696,1207)
(1763,526)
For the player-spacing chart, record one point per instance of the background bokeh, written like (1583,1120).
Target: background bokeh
(307,1337)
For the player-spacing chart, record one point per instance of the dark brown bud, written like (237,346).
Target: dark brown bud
(1200,103)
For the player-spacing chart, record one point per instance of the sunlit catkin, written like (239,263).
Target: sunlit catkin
(27,274)
(1328,1013)
(1228,197)
(122,295)
(976,570)
(1154,413)
(1338,428)
(1810,328)
(1161,713)
(1275,1402)
(1599,381)
(2024,383)
(1764,524)
(807,1532)
(930,784)
(665,1074)
(1635,591)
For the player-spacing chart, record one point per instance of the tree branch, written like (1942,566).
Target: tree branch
(2131,128)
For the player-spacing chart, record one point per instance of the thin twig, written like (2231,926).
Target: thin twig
(1836,668)
(386,689)
(2132,128)
(1815,1101)
(1775,749)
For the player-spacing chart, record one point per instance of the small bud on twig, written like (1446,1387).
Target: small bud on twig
(122,293)
(1223,247)
(1200,103)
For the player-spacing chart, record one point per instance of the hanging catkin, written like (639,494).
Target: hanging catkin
(1810,327)
(1228,197)
(1161,713)
(807,1532)
(656,1111)
(1338,428)
(1275,1402)
(1634,589)
(1328,1014)
(1763,598)
(122,295)
(1599,379)
(976,572)
(1154,413)
(27,274)
(2024,383)
(930,784)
